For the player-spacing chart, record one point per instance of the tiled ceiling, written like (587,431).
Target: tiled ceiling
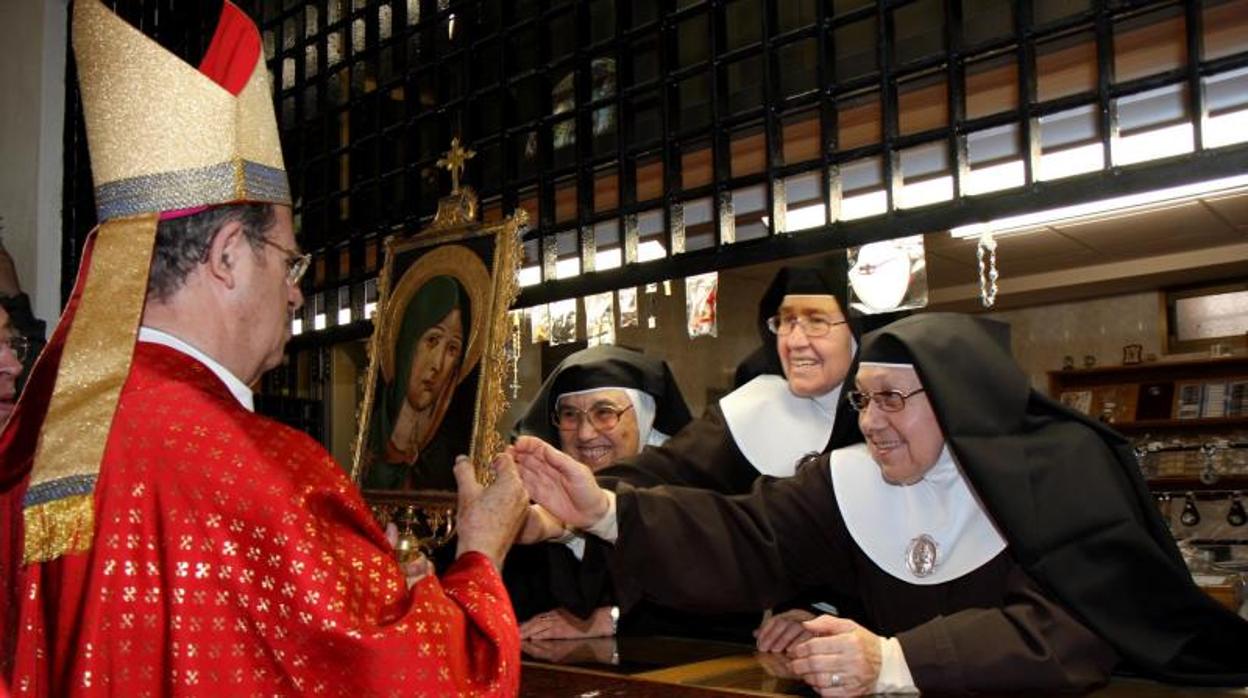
(1192,242)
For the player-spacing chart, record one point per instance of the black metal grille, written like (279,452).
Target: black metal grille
(694,124)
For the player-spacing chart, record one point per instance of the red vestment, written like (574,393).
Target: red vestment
(232,556)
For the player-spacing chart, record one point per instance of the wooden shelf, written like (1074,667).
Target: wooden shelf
(1180,424)
(1175,483)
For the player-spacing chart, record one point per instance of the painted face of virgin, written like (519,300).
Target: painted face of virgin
(437,355)
(905,444)
(814,366)
(592,446)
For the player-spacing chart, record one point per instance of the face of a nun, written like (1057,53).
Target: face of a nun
(599,449)
(814,366)
(437,354)
(905,444)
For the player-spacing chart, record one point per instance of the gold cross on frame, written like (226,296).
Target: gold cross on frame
(455,160)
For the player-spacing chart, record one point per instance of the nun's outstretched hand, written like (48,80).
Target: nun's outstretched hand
(565,487)
(843,659)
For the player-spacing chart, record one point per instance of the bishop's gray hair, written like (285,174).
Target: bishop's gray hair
(182,244)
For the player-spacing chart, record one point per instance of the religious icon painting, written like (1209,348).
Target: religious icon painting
(888,276)
(436,381)
(628,306)
(563,322)
(539,323)
(701,297)
(600,318)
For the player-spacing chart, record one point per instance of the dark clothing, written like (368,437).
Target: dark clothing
(25,324)
(993,629)
(1067,494)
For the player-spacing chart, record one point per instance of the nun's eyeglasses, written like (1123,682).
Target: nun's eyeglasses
(601,417)
(812,326)
(887,400)
(19,345)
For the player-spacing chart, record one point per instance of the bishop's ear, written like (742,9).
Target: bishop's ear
(227,248)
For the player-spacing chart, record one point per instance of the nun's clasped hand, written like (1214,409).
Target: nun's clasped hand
(843,659)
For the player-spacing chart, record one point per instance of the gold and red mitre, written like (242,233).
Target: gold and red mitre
(165,139)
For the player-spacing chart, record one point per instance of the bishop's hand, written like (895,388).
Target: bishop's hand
(565,487)
(489,517)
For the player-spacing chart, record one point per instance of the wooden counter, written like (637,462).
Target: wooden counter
(645,667)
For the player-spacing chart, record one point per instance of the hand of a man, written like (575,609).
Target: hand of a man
(539,526)
(413,570)
(489,517)
(565,487)
(842,659)
(778,632)
(560,624)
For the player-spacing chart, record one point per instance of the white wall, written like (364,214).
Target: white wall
(31,120)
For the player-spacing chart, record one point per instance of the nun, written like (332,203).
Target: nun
(606,403)
(789,410)
(599,405)
(997,540)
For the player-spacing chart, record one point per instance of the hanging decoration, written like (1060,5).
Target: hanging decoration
(888,276)
(987,247)
(652,303)
(563,322)
(600,318)
(701,296)
(628,306)
(513,351)
(539,323)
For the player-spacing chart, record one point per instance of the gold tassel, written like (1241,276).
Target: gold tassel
(58,527)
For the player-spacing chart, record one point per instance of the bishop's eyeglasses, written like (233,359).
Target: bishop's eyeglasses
(602,417)
(296,263)
(887,400)
(812,325)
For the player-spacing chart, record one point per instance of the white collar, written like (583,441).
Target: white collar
(774,428)
(237,388)
(883,518)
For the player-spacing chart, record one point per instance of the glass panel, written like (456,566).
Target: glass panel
(601,20)
(1225,24)
(694,101)
(745,84)
(749,206)
(991,86)
(695,165)
(699,224)
(561,32)
(918,30)
(858,122)
(691,44)
(1044,11)
(743,23)
(1150,44)
(649,178)
(800,137)
(748,151)
(853,50)
(923,104)
(795,14)
(645,62)
(799,72)
(1066,66)
(985,20)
